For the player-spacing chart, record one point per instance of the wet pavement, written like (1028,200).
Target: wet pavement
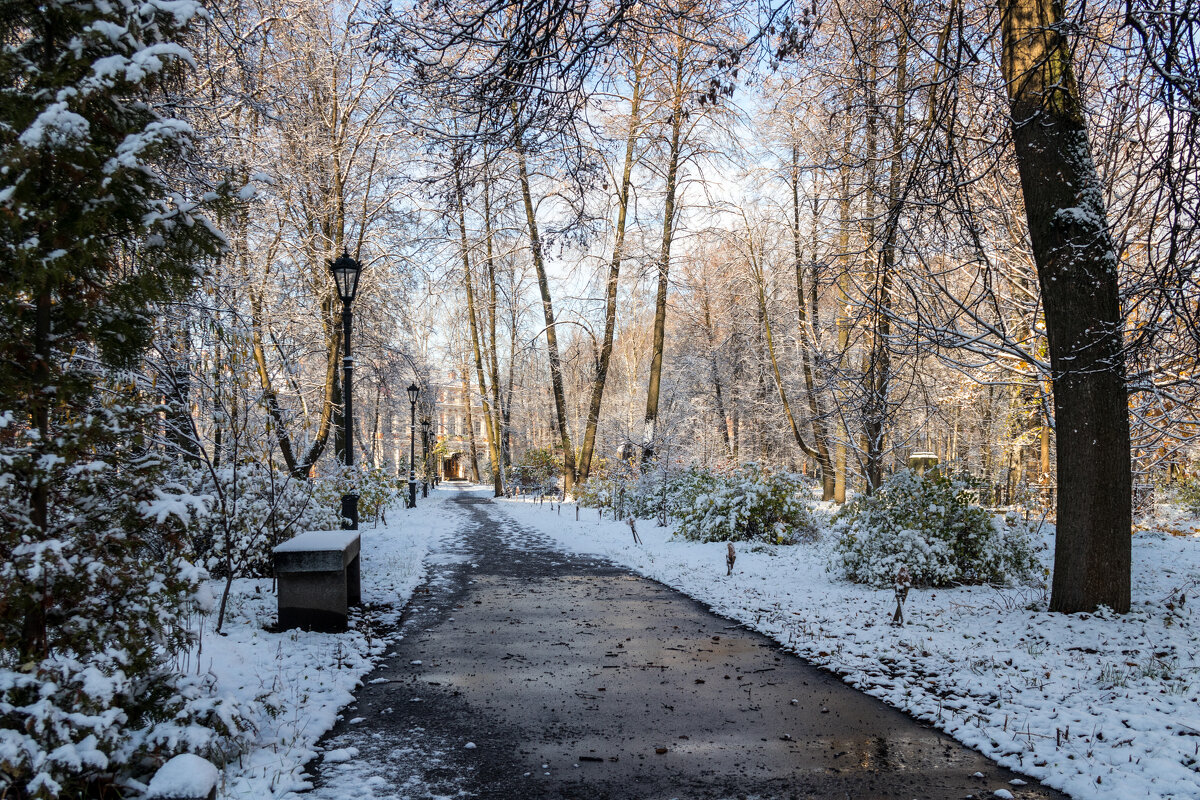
(524,672)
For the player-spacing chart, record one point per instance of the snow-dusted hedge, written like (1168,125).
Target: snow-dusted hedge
(377,489)
(538,468)
(628,491)
(1187,494)
(750,504)
(929,525)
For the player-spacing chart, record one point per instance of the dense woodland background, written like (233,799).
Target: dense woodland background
(805,245)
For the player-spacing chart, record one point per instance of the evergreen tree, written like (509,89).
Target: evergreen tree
(91,232)
(93,237)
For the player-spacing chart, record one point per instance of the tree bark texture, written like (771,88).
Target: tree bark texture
(1077,271)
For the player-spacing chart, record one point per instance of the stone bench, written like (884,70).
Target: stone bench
(319,579)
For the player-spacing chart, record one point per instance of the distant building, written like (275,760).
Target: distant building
(450,428)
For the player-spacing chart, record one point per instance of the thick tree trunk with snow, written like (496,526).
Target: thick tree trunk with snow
(1077,270)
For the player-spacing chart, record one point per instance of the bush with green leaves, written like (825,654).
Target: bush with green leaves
(930,525)
(1187,494)
(537,468)
(749,504)
(377,488)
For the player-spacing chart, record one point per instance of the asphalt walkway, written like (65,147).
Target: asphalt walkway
(522,672)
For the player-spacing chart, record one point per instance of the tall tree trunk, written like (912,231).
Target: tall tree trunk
(714,370)
(650,434)
(374,457)
(614,272)
(1077,270)
(987,456)
(807,342)
(1044,461)
(493,441)
(180,431)
(879,373)
(760,280)
(843,318)
(493,346)
(514,320)
(556,381)
(870,408)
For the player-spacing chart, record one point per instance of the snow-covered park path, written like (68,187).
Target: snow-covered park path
(524,672)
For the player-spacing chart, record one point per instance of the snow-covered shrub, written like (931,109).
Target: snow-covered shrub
(597,492)
(1187,494)
(537,468)
(929,525)
(678,489)
(750,504)
(95,592)
(251,508)
(376,488)
(658,492)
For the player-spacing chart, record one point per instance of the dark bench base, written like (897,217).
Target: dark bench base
(312,619)
(319,579)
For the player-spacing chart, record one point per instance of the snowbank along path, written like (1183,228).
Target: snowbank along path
(523,672)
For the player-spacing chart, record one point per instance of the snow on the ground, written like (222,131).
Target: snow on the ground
(1097,705)
(184,776)
(296,681)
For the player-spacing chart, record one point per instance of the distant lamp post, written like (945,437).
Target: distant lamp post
(425,455)
(413,392)
(346,272)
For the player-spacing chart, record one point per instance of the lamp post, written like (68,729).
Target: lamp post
(413,392)
(346,272)
(425,455)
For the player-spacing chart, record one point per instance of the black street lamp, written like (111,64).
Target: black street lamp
(413,392)
(346,272)
(425,455)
